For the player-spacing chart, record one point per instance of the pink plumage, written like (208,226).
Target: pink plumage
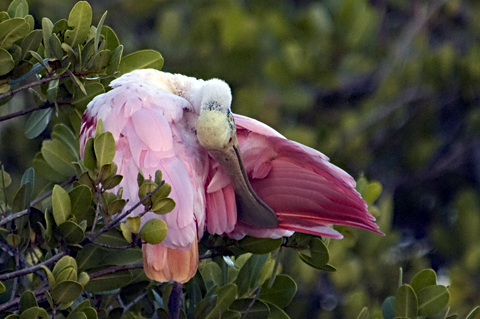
(152,116)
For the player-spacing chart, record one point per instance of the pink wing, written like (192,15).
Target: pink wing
(307,192)
(146,125)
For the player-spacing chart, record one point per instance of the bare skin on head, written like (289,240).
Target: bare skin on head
(216,132)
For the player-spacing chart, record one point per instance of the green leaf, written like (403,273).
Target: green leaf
(106,283)
(61,205)
(113,238)
(27,300)
(115,59)
(249,274)
(34,312)
(28,176)
(372,192)
(259,245)
(58,157)
(2,288)
(212,274)
(65,135)
(432,300)
(111,38)
(163,206)
(112,181)
(42,167)
(134,223)
(101,60)
(12,30)
(473,314)
(6,62)
(71,232)
(93,89)
(225,297)
(423,279)
(67,273)
(47,30)
(66,291)
(154,231)
(37,122)
(276,312)
(18,9)
(89,159)
(141,60)
(21,200)
(99,30)
(406,304)
(116,206)
(205,306)
(80,19)
(80,198)
(55,47)
(50,277)
(104,146)
(256,309)
(65,261)
(14,240)
(388,310)
(117,257)
(281,293)
(89,257)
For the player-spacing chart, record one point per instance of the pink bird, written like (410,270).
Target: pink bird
(230,174)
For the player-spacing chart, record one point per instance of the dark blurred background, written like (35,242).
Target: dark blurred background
(385,88)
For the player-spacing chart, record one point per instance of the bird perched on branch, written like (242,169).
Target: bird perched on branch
(230,174)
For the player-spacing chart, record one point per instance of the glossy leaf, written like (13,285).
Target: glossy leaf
(34,312)
(106,283)
(18,9)
(141,60)
(27,300)
(66,291)
(423,279)
(154,231)
(61,204)
(225,297)
(406,304)
(104,146)
(65,261)
(71,232)
(58,157)
(12,30)
(432,300)
(281,293)
(37,122)
(80,19)
(259,245)
(80,198)
(250,273)
(163,206)
(6,62)
(63,134)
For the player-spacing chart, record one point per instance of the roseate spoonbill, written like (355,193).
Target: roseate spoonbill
(229,173)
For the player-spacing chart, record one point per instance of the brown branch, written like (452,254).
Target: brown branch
(25,112)
(32,269)
(38,293)
(33,84)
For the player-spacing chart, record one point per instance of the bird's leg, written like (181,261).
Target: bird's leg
(175,300)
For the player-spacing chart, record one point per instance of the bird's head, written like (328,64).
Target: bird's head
(215,126)
(217,133)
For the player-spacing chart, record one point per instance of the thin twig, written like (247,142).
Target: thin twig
(38,293)
(251,304)
(114,269)
(33,84)
(24,112)
(133,303)
(121,216)
(33,203)
(29,270)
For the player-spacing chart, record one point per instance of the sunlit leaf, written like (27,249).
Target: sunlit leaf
(67,273)
(432,300)
(65,261)
(406,304)
(12,30)
(423,279)
(104,146)
(154,231)
(61,205)
(141,60)
(80,19)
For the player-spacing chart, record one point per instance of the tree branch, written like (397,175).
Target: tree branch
(32,269)
(33,84)
(24,112)
(114,269)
